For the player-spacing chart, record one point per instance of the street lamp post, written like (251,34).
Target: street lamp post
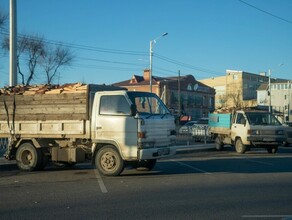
(270,95)
(151,56)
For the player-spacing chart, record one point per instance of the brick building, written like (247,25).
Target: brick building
(182,94)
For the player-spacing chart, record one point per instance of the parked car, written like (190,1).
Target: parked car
(187,127)
(200,130)
(288,133)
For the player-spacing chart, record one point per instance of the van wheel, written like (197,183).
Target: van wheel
(218,144)
(108,161)
(239,146)
(28,157)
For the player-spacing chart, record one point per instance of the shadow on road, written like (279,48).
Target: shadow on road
(209,162)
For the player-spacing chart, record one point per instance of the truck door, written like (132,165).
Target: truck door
(115,125)
(238,127)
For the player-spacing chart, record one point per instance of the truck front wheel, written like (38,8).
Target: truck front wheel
(108,161)
(239,146)
(28,158)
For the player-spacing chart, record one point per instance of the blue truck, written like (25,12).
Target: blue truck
(245,129)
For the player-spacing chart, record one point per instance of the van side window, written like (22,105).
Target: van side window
(114,105)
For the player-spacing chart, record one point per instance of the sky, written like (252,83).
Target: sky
(110,39)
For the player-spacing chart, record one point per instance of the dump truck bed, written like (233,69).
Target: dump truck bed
(220,123)
(58,112)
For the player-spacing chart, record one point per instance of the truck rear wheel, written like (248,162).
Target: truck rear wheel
(28,157)
(239,146)
(218,143)
(108,161)
(272,150)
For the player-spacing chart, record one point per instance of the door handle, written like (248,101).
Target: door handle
(98,127)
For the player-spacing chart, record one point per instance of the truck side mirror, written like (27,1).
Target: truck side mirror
(133,110)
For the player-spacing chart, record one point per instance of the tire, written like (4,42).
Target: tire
(272,150)
(239,146)
(146,165)
(28,157)
(218,144)
(108,161)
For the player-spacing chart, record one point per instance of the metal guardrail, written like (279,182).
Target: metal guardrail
(3,146)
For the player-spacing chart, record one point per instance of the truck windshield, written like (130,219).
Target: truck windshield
(262,118)
(148,103)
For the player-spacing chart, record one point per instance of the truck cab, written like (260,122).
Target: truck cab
(257,129)
(247,128)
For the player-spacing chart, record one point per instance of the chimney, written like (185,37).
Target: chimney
(146,75)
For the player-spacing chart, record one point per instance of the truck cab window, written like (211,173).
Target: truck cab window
(240,119)
(114,105)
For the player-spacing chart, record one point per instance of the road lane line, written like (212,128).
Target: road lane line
(267,216)
(259,162)
(100,182)
(192,167)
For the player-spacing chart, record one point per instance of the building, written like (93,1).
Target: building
(182,94)
(279,97)
(236,88)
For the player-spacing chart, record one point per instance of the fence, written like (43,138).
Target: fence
(194,134)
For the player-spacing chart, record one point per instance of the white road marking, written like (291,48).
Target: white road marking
(100,182)
(259,162)
(268,216)
(191,167)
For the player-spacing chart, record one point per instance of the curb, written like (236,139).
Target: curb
(191,148)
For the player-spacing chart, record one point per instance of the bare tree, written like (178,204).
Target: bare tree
(35,49)
(53,59)
(235,97)
(31,50)
(3,19)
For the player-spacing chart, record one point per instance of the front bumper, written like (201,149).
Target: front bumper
(156,153)
(266,140)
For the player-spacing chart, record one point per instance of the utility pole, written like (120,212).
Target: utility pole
(289,87)
(178,93)
(152,42)
(13,44)
(270,95)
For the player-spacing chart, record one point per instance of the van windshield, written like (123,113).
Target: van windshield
(148,103)
(262,118)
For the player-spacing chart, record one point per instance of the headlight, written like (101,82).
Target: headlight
(254,132)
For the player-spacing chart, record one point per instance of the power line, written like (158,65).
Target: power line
(201,69)
(81,47)
(115,51)
(266,12)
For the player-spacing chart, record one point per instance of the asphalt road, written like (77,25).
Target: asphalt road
(193,185)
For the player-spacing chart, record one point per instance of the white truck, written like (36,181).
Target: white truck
(110,126)
(245,129)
